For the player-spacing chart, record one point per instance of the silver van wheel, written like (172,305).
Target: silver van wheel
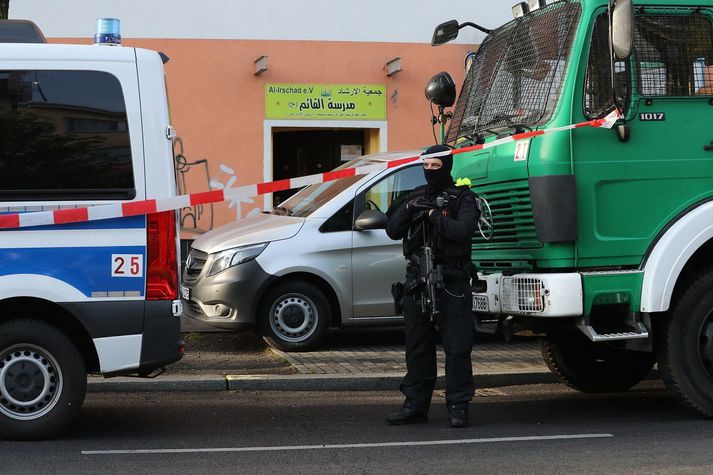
(293,317)
(30,382)
(42,380)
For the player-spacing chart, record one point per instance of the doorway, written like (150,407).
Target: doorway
(298,153)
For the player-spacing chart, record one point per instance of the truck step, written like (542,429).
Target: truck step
(640,331)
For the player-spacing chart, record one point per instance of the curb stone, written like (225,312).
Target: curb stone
(213,382)
(298,382)
(373,381)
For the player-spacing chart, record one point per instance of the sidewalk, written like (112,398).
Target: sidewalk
(351,360)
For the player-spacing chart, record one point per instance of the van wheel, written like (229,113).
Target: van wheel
(684,346)
(42,380)
(594,367)
(294,316)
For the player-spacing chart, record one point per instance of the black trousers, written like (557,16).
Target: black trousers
(456,326)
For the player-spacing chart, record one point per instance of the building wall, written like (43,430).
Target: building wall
(218,103)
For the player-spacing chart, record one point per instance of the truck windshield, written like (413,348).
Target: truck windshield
(516,76)
(308,199)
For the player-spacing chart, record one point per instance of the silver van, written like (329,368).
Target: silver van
(310,264)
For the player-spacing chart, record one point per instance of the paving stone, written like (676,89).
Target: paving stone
(487,358)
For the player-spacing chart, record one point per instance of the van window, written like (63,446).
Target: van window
(342,220)
(308,199)
(393,188)
(64,136)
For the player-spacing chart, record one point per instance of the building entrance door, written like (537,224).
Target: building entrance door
(307,152)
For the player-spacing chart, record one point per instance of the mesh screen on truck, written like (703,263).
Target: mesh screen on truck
(673,56)
(672,52)
(516,76)
(598,98)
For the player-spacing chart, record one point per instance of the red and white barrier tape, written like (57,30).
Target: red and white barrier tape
(134,208)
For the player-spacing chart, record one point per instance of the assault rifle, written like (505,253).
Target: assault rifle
(431,274)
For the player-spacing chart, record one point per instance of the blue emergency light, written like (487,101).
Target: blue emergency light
(107,32)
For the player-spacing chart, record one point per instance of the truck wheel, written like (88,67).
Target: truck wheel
(294,316)
(594,367)
(42,380)
(684,346)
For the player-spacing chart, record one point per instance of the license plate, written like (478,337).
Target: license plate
(185,293)
(480,303)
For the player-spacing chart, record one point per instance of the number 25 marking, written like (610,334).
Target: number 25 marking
(126,265)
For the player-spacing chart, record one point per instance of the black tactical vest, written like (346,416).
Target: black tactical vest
(449,252)
(446,252)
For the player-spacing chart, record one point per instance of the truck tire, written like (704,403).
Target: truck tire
(42,380)
(294,316)
(684,346)
(594,367)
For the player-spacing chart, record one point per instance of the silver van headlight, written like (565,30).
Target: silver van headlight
(232,257)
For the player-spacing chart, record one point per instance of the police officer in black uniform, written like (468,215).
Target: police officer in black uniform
(451,226)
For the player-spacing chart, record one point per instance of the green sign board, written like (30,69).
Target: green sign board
(325,101)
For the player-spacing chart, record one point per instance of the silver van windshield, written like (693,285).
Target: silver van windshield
(308,199)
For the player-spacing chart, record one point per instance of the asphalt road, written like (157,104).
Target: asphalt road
(525,429)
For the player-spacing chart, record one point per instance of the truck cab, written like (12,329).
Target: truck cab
(601,239)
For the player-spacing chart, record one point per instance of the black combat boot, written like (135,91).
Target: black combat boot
(458,415)
(410,413)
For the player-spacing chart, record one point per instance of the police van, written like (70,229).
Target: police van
(81,126)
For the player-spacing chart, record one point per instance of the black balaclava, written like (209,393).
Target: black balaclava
(438,180)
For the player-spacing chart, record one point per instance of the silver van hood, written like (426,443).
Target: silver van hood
(256,229)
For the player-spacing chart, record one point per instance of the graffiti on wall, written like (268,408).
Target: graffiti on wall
(199,218)
(231,179)
(194,177)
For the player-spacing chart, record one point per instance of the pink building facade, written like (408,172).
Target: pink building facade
(233,131)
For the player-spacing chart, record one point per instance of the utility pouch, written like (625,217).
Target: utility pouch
(397,291)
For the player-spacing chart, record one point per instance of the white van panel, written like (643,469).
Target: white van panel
(73,238)
(40,286)
(118,353)
(158,149)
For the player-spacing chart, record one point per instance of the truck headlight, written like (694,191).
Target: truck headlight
(232,257)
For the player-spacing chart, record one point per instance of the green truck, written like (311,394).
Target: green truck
(599,240)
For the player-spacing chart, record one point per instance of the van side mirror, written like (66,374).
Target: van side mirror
(622,27)
(370,219)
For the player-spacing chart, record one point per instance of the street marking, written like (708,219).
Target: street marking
(418,443)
